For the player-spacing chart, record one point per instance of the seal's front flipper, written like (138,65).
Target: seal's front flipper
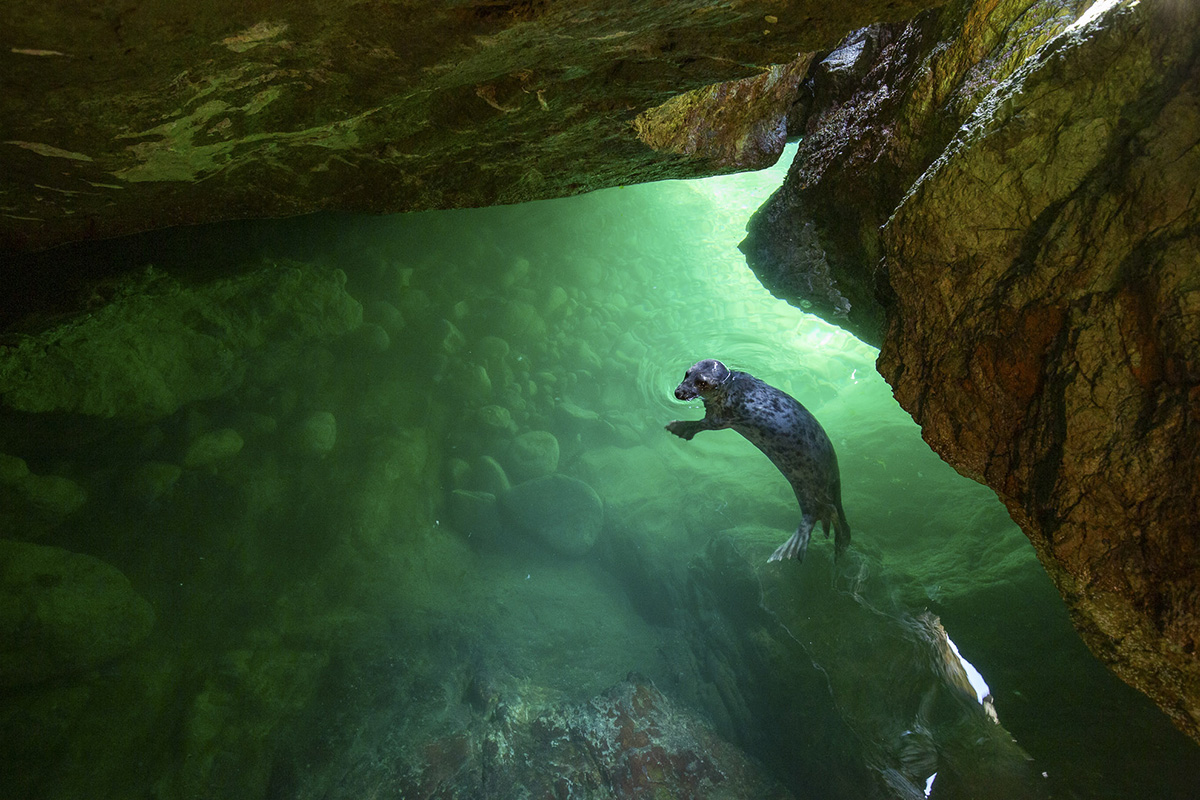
(685,429)
(796,546)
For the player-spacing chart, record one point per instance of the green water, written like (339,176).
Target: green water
(327,595)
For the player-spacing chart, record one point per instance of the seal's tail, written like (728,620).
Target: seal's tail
(841,533)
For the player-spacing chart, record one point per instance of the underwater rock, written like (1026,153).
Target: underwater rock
(53,494)
(384,314)
(532,455)
(416,305)
(582,355)
(158,345)
(564,513)
(520,321)
(630,741)
(208,449)
(474,385)
(266,100)
(457,471)
(556,301)
(488,476)
(474,515)
(62,613)
(516,272)
(492,349)
(32,505)
(12,469)
(497,419)
(1046,325)
(370,339)
(252,690)
(1029,289)
(318,433)
(452,339)
(152,480)
(883,106)
(254,423)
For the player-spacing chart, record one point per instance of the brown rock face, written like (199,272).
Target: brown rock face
(1035,289)
(879,110)
(124,118)
(1045,331)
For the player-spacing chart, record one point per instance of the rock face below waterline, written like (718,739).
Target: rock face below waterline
(1035,289)
(564,513)
(63,612)
(139,119)
(158,345)
(630,741)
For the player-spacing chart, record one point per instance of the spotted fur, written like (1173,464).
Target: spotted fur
(782,429)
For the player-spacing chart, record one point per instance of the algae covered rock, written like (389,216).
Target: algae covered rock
(532,455)
(63,612)
(209,449)
(152,480)
(318,433)
(158,344)
(563,513)
(32,505)
(1046,323)
(12,469)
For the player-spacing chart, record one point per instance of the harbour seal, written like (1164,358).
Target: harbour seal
(784,431)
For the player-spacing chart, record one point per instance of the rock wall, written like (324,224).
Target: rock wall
(1047,327)
(127,118)
(1034,287)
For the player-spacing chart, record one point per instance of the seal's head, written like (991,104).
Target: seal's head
(702,379)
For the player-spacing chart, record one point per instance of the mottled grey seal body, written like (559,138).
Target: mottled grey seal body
(785,431)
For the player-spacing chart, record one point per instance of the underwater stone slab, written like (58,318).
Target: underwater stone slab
(157,344)
(631,741)
(532,455)
(62,613)
(317,433)
(563,513)
(1047,324)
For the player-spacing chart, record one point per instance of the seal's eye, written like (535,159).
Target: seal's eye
(703,384)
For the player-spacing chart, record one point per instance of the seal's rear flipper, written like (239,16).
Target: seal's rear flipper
(796,546)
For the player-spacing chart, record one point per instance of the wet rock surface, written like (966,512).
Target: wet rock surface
(139,118)
(153,343)
(564,513)
(1034,287)
(62,613)
(877,111)
(1046,328)
(630,741)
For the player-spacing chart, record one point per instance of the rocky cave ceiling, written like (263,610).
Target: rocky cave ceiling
(1002,195)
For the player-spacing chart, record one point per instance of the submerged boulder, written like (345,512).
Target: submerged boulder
(563,513)
(211,448)
(62,613)
(1047,324)
(158,345)
(317,434)
(627,742)
(532,455)
(1034,290)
